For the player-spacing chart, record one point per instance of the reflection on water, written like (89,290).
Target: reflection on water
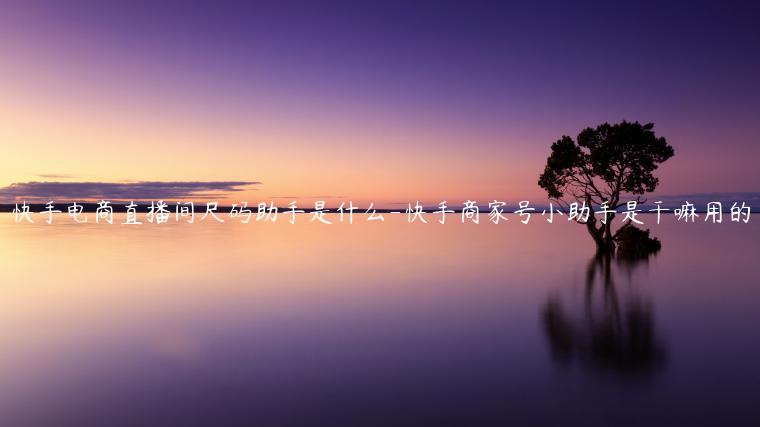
(613,332)
(374,324)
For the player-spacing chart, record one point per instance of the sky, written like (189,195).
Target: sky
(387,102)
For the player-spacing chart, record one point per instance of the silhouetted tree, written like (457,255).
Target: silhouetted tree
(600,166)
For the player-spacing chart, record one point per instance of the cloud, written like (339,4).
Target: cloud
(140,190)
(56,176)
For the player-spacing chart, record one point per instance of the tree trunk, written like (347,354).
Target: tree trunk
(608,242)
(605,245)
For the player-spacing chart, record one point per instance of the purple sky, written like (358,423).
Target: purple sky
(481,80)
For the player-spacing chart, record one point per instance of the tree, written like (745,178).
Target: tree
(602,165)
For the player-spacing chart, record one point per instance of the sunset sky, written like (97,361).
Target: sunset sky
(385,102)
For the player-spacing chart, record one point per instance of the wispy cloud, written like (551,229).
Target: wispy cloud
(141,190)
(56,176)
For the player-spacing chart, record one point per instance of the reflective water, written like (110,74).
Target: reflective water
(375,324)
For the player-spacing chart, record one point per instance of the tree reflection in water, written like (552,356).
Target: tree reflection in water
(611,333)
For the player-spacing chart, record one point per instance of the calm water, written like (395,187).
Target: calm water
(375,324)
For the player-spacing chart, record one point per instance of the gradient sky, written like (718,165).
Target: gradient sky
(385,102)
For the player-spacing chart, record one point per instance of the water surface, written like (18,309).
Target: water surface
(374,324)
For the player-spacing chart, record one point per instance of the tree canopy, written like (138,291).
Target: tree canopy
(602,164)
